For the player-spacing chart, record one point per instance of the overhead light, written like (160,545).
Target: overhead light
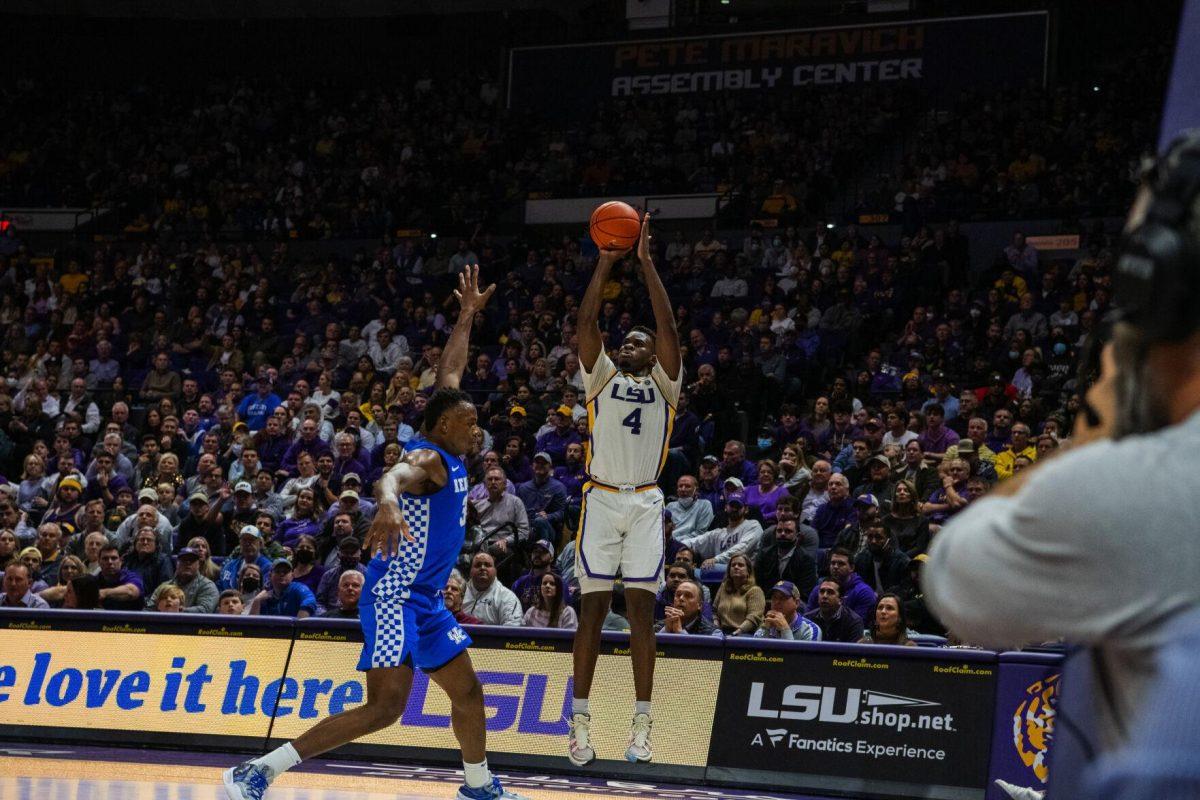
(1095,88)
(432,235)
(829,225)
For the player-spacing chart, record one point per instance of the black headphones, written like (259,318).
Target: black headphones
(1157,279)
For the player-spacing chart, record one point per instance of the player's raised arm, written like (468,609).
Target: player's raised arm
(588,326)
(666,335)
(413,474)
(471,301)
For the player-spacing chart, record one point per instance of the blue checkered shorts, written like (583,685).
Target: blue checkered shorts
(413,628)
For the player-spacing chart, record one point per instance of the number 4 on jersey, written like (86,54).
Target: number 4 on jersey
(634,421)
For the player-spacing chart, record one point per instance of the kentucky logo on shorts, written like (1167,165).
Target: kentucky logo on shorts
(457,635)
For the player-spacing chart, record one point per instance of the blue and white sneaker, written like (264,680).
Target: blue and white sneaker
(639,749)
(494,791)
(247,781)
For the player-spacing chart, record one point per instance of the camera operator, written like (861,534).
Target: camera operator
(1099,545)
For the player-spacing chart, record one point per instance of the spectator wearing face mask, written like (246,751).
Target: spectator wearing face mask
(307,571)
(881,564)
(816,492)
(781,557)
(689,513)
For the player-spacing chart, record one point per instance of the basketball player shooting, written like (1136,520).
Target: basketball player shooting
(631,408)
(415,538)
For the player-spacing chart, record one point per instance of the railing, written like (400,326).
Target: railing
(877,721)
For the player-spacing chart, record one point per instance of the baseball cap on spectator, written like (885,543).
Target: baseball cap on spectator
(998,378)
(543,456)
(281,562)
(147,494)
(188,552)
(866,500)
(874,423)
(201,496)
(250,530)
(72,481)
(351,477)
(939,376)
(243,486)
(788,588)
(517,410)
(736,499)
(350,544)
(547,546)
(565,410)
(241,425)
(920,558)
(710,459)
(879,458)
(965,446)
(348,493)
(737,483)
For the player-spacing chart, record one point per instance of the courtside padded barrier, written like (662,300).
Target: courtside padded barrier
(867,721)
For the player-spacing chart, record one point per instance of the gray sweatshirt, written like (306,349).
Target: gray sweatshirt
(1099,546)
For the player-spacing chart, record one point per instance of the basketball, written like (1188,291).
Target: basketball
(615,226)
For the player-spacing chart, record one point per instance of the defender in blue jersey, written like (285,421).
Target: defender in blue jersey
(415,537)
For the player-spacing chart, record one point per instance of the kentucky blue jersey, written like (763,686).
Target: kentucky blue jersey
(438,524)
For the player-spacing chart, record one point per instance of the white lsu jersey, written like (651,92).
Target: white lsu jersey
(630,419)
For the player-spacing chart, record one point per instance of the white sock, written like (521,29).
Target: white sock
(579,705)
(641,707)
(477,775)
(281,759)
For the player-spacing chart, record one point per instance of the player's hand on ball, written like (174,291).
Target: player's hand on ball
(612,256)
(386,530)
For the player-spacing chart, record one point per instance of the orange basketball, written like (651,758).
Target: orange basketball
(615,226)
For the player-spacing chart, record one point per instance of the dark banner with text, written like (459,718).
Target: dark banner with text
(889,725)
(943,54)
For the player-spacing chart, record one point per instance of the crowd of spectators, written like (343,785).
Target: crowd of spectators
(194,422)
(261,157)
(1066,150)
(199,430)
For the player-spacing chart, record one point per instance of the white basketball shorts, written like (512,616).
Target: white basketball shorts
(620,535)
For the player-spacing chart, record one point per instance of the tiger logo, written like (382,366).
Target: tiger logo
(1033,725)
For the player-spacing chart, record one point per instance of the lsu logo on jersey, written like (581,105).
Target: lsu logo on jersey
(1033,725)
(633,394)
